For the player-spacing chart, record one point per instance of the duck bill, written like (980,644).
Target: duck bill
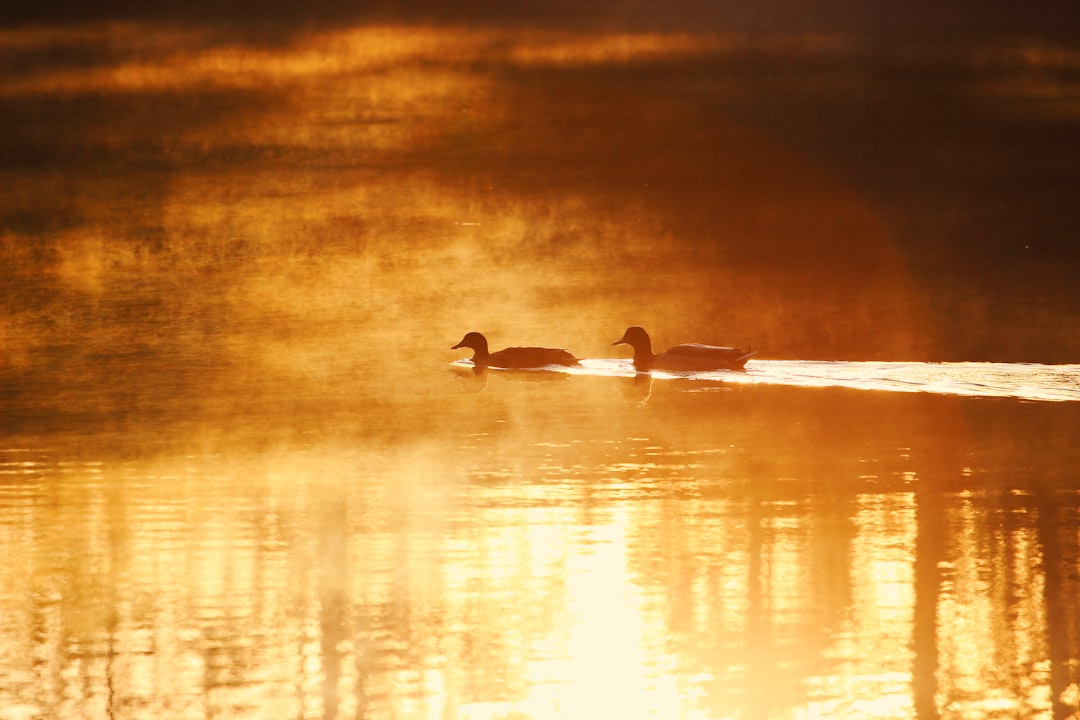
(620,341)
(458,345)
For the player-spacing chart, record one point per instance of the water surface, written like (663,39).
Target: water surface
(243,475)
(551,545)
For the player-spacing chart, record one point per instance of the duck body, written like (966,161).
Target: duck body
(682,358)
(517,358)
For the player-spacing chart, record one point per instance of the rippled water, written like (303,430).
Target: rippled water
(547,545)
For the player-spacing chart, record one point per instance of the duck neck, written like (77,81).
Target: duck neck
(480,353)
(643,356)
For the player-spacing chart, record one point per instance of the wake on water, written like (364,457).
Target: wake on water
(1048,383)
(1057,383)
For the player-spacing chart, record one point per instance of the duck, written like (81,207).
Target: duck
(688,357)
(518,358)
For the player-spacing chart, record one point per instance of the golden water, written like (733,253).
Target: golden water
(243,475)
(550,547)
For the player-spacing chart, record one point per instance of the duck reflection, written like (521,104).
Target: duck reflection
(638,389)
(474,378)
(471,378)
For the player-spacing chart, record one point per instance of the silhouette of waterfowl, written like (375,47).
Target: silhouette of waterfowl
(688,357)
(518,358)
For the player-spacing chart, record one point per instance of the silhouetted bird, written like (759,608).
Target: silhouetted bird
(691,356)
(514,357)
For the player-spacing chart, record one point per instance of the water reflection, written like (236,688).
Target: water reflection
(652,559)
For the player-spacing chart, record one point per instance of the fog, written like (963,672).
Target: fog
(348,198)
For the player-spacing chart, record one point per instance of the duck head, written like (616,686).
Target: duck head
(637,338)
(473,340)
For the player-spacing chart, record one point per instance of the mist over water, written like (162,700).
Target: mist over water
(243,473)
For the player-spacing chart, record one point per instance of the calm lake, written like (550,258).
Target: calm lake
(243,475)
(548,545)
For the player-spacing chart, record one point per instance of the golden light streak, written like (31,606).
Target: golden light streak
(605,667)
(184,60)
(873,646)
(1029,80)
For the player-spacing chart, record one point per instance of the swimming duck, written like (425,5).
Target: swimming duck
(514,357)
(691,356)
